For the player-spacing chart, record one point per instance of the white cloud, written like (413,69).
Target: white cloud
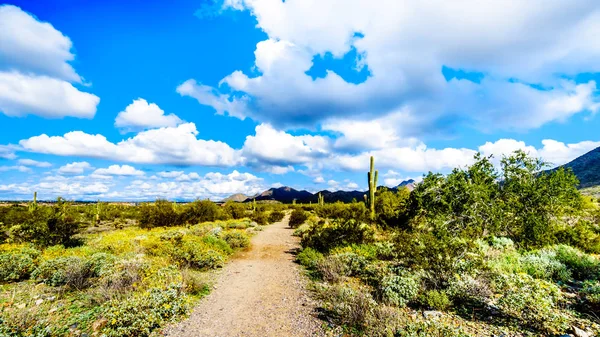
(19,168)
(141,115)
(280,149)
(319,180)
(352,185)
(169,145)
(35,76)
(511,45)
(207,95)
(170,174)
(7,152)
(74,168)
(43,96)
(31,162)
(117,170)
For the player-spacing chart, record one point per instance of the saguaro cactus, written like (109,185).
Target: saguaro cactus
(97,215)
(33,204)
(321,199)
(372,177)
(253,204)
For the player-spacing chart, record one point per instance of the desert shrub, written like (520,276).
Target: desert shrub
(195,254)
(309,258)
(234,210)
(353,263)
(323,236)
(142,314)
(469,290)
(532,302)
(435,299)
(543,264)
(200,211)
(356,210)
(297,218)
(194,283)
(352,307)
(583,234)
(260,217)
(121,278)
(400,289)
(215,242)
(73,271)
(582,266)
(15,267)
(331,270)
(236,239)
(591,294)
(160,214)
(391,207)
(276,216)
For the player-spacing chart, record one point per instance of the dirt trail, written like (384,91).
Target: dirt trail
(260,293)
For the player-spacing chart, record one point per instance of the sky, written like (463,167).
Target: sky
(138,100)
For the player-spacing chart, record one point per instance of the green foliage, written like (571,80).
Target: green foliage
(533,302)
(236,239)
(400,289)
(200,211)
(591,294)
(391,207)
(260,217)
(160,214)
(234,210)
(348,306)
(309,258)
(582,266)
(544,264)
(276,216)
(356,211)
(15,267)
(141,315)
(324,236)
(435,299)
(297,218)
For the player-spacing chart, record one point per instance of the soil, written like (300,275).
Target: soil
(262,292)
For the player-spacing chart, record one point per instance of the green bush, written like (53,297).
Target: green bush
(582,266)
(260,217)
(276,216)
(543,264)
(15,267)
(323,236)
(591,294)
(197,255)
(160,214)
(309,258)
(434,299)
(469,290)
(531,301)
(400,289)
(234,210)
(351,307)
(139,316)
(72,271)
(200,211)
(356,211)
(297,218)
(236,239)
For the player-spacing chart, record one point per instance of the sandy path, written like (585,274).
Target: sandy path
(260,293)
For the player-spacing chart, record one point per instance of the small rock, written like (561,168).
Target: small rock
(99,324)
(38,302)
(52,310)
(216,231)
(431,313)
(21,305)
(51,298)
(580,333)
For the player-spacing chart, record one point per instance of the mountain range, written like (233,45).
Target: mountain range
(585,167)
(287,194)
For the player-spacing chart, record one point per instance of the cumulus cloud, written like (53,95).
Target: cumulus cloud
(521,50)
(35,76)
(119,170)
(7,152)
(169,145)
(20,168)
(141,115)
(75,168)
(35,163)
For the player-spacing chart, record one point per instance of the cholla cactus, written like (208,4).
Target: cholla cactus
(372,178)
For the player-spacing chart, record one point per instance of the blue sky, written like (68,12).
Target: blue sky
(120,100)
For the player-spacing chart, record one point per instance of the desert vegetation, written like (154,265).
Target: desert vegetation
(69,269)
(482,251)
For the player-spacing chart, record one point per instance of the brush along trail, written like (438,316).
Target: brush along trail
(261,293)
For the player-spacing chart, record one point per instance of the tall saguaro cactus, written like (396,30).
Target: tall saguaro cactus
(372,177)
(33,205)
(321,199)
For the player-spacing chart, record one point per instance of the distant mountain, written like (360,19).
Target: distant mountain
(287,194)
(410,184)
(284,194)
(586,168)
(239,197)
